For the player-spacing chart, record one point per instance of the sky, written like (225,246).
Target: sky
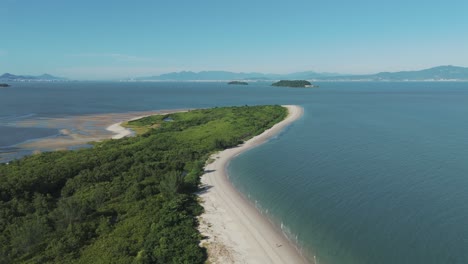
(118,39)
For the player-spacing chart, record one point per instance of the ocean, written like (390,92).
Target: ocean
(374,172)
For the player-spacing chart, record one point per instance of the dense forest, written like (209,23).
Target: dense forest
(294,83)
(238,83)
(130,200)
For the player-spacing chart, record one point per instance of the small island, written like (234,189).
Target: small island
(4,85)
(238,83)
(294,84)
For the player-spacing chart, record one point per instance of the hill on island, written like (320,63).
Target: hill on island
(238,83)
(293,83)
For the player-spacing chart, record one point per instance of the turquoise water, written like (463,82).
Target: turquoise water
(372,173)
(378,177)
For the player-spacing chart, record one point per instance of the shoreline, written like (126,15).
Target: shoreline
(235,231)
(75,131)
(81,130)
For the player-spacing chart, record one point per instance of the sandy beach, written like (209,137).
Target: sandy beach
(236,232)
(119,131)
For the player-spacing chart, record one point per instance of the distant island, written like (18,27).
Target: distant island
(4,85)
(293,83)
(238,83)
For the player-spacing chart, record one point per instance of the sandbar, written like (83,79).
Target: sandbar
(81,130)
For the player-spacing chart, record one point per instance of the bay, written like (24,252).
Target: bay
(372,173)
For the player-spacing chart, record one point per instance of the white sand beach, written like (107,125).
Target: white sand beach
(236,231)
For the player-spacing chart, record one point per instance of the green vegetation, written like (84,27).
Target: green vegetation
(238,83)
(123,201)
(4,85)
(145,124)
(295,83)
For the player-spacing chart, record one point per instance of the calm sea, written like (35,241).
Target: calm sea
(372,173)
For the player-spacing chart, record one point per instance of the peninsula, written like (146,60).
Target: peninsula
(293,84)
(135,193)
(4,85)
(238,83)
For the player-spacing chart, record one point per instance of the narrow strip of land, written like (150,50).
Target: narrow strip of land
(236,231)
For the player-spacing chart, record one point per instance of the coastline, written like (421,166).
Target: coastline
(235,231)
(80,130)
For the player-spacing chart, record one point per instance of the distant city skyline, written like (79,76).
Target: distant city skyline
(98,40)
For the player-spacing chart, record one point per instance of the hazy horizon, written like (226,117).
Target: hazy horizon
(98,41)
(239,72)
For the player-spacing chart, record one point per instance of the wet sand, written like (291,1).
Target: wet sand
(81,130)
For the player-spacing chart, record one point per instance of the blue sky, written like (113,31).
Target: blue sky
(116,39)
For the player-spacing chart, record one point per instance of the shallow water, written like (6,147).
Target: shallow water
(372,173)
(370,177)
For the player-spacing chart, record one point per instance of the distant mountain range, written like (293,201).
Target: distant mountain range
(439,73)
(8,77)
(225,75)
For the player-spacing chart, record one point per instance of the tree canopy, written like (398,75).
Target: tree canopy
(130,200)
(294,83)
